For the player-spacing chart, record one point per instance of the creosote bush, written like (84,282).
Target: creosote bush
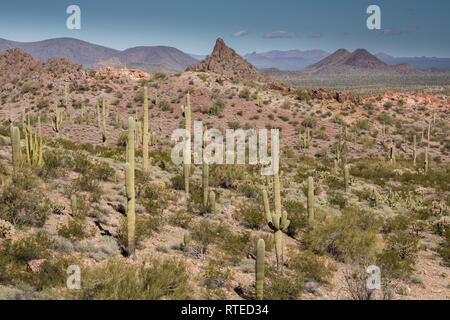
(152,279)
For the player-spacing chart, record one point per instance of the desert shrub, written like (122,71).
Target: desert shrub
(55,165)
(74,230)
(102,171)
(145,226)
(215,274)
(206,233)
(244,94)
(312,266)
(22,201)
(181,218)
(349,237)
(297,215)
(177,182)
(251,216)
(154,279)
(399,255)
(282,286)
(87,183)
(226,176)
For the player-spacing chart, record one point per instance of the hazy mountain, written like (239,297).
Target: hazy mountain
(75,50)
(421,63)
(359,61)
(82,52)
(285,60)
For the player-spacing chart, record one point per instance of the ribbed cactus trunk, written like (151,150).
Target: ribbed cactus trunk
(16,152)
(346,179)
(277,221)
(414,150)
(259,272)
(104,121)
(428,135)
(73,204)
(129,172)
(310,200)
(426,162)
(212,202)
(145,138)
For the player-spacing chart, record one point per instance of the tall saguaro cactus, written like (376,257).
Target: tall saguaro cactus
(129,173)
(104,116)
(57,121)
(426,162)
(259,269)
(187,167)
(414,150)
(310,200)
(145,138)
(277,221)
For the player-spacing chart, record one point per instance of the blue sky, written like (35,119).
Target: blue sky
(409,28)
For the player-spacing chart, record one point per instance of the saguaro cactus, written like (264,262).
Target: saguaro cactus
(145,138)
(414,150)
(129,172)
(16,152)
(187,167)
(205,182)
(186,240)
(346,178)
(277,222)
(73,203)
(56,121)
(426,162)
(310,200)
(259,269)
(212,202)
(392,154)
(104,116)
(428,135)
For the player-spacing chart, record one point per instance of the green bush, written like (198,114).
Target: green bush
(251,216)
(350,237)
(22,201)
(155,279)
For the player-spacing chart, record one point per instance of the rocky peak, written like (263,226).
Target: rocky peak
(226,62)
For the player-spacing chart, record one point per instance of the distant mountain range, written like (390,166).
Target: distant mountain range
(295,60)
(88,54)
(170,59)
(291,60)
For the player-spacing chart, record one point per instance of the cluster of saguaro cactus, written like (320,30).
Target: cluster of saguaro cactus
(145,137)
(259,269)
(305,139)
(277,221)
(57,121)
(33,145)
(310,201)
(186,166)
(130,190)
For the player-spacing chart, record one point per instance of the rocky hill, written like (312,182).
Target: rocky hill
(359,61)
(226,62)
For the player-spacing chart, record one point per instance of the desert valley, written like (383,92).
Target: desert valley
(87,178)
